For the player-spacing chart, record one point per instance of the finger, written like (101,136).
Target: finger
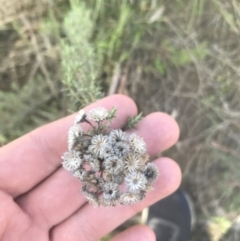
(33,157)
(61,191)
(139,233)
(12,218)
(90,223)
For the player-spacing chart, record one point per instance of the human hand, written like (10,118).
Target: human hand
(40,201)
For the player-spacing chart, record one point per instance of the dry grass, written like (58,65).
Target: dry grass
(23,49)
(28,71)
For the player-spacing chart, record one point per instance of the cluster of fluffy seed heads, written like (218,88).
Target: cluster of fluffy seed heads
(113,166)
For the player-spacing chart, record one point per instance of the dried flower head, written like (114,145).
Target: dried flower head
(91,196)
(111,191)
(108,162)
(129,198)
(119,179)
(106,151)
(71,160)
(151,172)
(137,144)
(133,162)
(136,182)
(75,132)
(94,164)
(98,114)
(117,136)
(97,144)
(113,165)
(121,149)
(80,117)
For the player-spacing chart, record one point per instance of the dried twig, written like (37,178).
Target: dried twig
(40,58)
(115,80)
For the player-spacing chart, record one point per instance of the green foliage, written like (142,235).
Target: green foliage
(112,114)
(50,26)
(183,56)
(106,238)
(118,30)
(25,109)
(80,65)
(132,121)
(160,66)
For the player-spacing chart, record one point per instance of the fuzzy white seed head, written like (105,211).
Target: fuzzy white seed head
(135,181)
(111,190)
(107,202)
(97,144)
(80,117)
(151,172)
(106,151)
(119,179)
(132,162)
(129,198)
(114,165)
(92,197)
(94,164)
(74,133)
(137,144)
(121,149)
(116,136)
(87,157)
(71,160)
(97,114)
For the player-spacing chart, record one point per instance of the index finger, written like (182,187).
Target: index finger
(28,160)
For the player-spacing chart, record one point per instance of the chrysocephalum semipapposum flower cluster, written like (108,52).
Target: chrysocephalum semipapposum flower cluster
(112,165)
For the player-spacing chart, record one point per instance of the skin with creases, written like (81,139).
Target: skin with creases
(41,201)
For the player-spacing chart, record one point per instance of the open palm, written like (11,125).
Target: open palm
(40,201)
